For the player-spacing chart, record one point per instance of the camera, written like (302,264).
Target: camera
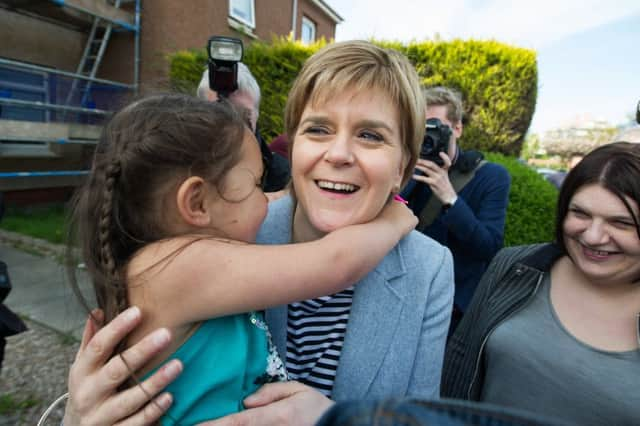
(224,54)
(436,140)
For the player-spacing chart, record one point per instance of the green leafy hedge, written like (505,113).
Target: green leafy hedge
(532,204)
(186,69)
(275,66)
(499,86)
(498,83)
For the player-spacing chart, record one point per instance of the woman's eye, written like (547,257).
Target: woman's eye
(623,224)
(579,213)
(316,130)
(371,136)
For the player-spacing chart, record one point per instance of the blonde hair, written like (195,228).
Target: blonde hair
(361,65)
(449,98)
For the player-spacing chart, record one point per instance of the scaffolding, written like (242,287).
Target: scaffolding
(58,110)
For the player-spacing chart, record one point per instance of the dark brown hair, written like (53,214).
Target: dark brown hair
(616,167)
(143,154)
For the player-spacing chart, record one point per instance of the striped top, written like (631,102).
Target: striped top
(315,335)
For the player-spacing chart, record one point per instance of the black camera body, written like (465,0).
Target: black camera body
(436,140)
(224,55)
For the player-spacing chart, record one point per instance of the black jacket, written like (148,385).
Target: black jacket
(276,168)
(510,282)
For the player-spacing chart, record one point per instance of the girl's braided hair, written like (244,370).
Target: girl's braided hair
(145,151)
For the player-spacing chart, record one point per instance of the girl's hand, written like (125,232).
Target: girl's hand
(398,214)
(287,403)
(95,375)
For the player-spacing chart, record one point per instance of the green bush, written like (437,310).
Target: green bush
(532,204)
(498,83)
(186,70)
(276,66)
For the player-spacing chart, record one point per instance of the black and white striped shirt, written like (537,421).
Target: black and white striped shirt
(315,334)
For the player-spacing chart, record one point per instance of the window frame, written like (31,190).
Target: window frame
(251,24)
(310,24)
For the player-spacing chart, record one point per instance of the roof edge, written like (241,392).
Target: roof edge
(328,11)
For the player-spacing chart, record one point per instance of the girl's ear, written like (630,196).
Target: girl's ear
(191,200)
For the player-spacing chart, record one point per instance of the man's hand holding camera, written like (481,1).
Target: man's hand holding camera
(435,161)
(437,177)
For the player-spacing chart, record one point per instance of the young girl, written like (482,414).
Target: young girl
(163,222)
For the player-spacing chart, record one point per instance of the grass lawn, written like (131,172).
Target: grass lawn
(10,403)
(46,222)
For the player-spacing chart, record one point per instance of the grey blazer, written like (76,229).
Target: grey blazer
(399,319)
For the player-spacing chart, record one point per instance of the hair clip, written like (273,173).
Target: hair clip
(398,198)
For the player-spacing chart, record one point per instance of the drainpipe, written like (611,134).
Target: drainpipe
(294,18)
(136,49)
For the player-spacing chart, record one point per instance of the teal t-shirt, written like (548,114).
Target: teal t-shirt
(225,360)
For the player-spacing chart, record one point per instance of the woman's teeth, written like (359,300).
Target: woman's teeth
(337,186)
(599,252)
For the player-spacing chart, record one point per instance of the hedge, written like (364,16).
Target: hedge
(499,86)
(274,65)
(185,70)
(498,83)
(532,204)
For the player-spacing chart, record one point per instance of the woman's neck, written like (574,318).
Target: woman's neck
(302,229)
(602,314)
(611,289)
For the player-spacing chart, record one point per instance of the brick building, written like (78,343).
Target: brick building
(64,64)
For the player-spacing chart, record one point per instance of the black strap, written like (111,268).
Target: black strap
(458,180)
(5,282)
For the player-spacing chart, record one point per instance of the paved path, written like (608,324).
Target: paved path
(36,364)
(40,287)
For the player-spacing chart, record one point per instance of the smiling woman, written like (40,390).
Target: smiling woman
(355,119)
(348,159)
(601,237)
(554,328)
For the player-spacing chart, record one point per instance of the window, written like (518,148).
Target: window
(308,32)
(243,11)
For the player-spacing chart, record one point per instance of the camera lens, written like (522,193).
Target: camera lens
(428,143)
(436,140)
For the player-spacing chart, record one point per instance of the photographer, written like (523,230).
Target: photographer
(460,198)
(247,96)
